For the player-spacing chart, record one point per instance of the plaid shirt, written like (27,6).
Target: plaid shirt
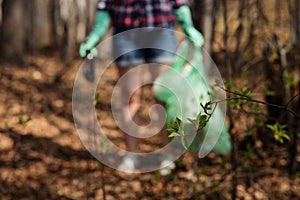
(129,14)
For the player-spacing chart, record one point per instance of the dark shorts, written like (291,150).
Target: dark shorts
(145,45)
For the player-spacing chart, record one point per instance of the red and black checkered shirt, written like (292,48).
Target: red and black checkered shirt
(129,14)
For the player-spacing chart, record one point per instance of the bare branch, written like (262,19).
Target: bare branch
(284,107)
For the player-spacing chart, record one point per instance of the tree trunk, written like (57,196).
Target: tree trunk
(204,20)
(297,22)
(1,11)
(68,11)
(71,32)
(82,18)
(13,31)
(39,26)
(295,128)
(54,23)
(293,143)
(205,15)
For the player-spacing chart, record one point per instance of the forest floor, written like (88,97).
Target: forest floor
(42,157)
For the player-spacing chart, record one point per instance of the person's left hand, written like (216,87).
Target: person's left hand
(194,36)
(184,17)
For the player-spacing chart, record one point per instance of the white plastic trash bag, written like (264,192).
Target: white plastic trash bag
(183,88)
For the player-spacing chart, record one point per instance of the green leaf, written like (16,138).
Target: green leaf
(202,121)
(271,127)
(22,122)
(177,124)
(105,145)
(7,127)
(175,128)
(280,134)
(173,134)
(245,92)
(270,92)
(250,131)
(171,130)
(229,84)
(96,99)
(255,107)
(218,83)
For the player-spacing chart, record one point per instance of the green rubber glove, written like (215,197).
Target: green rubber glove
(101,25)
(184,17)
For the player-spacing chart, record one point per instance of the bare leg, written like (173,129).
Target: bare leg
(156,70)
(131,92)
(167,165)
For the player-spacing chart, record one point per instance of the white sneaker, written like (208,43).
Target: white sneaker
(166,167)
(128,164)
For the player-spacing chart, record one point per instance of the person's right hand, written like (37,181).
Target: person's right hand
(101,25)
(86,48)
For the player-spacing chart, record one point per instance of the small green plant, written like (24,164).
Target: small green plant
(177,128)
(23,121)
(96,98)
(6,125)
(279,131)
(291,81)
(104,145)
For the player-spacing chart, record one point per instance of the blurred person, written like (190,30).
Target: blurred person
(126,15)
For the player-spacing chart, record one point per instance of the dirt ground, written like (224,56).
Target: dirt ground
(42,157)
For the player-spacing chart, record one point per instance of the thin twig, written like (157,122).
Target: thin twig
(291,100)
(285,107)
(253,62)
(232,92)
